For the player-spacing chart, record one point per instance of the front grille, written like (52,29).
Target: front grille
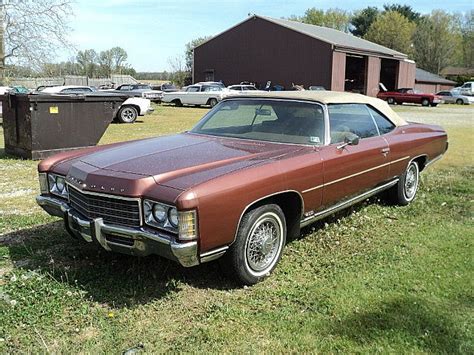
(111,209)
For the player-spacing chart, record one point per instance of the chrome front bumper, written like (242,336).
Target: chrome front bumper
(135,241)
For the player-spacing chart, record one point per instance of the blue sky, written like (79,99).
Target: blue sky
(153,31)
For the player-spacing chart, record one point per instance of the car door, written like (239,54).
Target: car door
(352,169)
(448,97)
(191,96)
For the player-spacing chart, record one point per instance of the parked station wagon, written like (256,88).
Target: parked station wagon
(249,175)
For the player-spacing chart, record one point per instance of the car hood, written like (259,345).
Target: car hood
(184,160)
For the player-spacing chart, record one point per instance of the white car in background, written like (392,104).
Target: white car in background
(128,112)
(466,89)
(197,94)
(244,88)
(452,97)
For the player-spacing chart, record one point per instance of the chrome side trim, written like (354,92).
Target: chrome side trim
(312,189)
(213,254)
(356,174)
(345,204)
(262,198)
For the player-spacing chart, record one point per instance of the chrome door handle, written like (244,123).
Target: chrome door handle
(385,151)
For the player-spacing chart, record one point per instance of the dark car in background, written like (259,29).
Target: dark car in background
(409,95)
(140,90)
(167,87)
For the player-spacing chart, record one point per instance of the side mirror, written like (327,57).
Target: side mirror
(349,139)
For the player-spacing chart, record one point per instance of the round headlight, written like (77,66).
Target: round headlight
(159,212)
(60,184)
(173,217)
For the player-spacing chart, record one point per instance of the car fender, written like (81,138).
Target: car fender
(143,104)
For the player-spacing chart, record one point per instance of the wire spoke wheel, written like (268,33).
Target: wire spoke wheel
(411,182)
(263,244)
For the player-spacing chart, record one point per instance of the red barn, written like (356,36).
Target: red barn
(260,49)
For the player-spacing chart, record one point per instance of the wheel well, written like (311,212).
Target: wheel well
(209,100)
(175,101)
(291,204)
(421,161)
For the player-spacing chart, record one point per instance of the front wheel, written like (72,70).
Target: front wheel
(425,102)
(259,244)
(460,102)
(405,191)
(127,114)
(391,101)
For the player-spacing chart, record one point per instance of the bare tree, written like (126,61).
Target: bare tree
(177,65)
(32,31)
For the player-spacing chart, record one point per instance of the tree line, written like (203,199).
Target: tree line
(87,62)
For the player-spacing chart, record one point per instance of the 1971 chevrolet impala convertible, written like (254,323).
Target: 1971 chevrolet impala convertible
(251,173)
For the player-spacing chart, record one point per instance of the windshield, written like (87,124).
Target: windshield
(267,120)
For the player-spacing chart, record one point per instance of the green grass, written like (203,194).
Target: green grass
(375,278)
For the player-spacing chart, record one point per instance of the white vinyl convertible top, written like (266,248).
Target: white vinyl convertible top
(331,97)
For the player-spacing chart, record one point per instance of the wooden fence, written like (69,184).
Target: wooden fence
(33,83)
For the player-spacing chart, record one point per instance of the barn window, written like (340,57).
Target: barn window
(209,75)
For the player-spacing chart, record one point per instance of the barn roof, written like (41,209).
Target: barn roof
(424,76)
(339,39)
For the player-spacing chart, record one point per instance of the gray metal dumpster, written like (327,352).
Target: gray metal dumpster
(36,126)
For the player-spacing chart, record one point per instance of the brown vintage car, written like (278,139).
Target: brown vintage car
(249,175)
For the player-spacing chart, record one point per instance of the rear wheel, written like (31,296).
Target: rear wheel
(212,102)
(391,101)
(405,191)
(127,114)
(425,102)
(259,244)
(460,102)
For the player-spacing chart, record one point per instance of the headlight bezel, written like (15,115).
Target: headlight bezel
(186,226)
(54,188)
(149,218)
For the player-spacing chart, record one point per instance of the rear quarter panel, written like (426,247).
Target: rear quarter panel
(415,140)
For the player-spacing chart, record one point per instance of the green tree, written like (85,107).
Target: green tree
(404,10)
(332,18)
(189,52)
(436,40)
(363,19)
(392,30)
(119,58)
(106,63)
(87,61)
(466,29)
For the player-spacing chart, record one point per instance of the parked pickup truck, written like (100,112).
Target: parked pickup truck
(197,94)
(411,96)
